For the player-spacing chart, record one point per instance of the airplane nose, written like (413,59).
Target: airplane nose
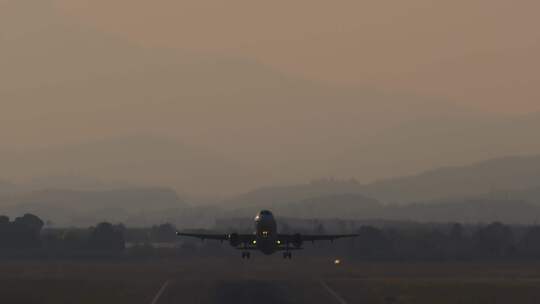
(264,214)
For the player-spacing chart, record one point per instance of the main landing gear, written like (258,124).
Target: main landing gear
(287,255)
(246,254)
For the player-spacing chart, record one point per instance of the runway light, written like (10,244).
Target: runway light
(337,261)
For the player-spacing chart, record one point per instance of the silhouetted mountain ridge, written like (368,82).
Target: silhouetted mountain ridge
(507,173)
(359,207)
(350,205)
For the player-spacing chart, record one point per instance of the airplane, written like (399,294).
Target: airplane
(266,238)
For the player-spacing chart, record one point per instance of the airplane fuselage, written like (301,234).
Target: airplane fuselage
(266,239)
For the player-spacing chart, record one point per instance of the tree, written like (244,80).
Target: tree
(456,232)
(4,231)
(30,221)
(319,228)
(372,243)
(494,240)
(529,245)
(106,237)
(75,239)
(163,233)
(25,231)
(458,246)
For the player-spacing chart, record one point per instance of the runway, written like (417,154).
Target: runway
(267,280)
(264,280)
(318,281)
(247,291)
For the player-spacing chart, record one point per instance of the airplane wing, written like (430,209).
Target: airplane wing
(298,238)
(204,236)
(235,238)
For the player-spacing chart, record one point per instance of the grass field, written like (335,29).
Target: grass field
(267,280)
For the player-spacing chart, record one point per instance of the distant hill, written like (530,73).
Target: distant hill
(359,207)
(128,160)
(531,195)
(495,175)
(70,207)
(280,194)
(508,173)
(467,211)
(347,205)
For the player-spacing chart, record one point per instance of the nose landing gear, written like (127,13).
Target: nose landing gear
(246,255)
(287,255)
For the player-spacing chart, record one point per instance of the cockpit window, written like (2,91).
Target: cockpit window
(266,212)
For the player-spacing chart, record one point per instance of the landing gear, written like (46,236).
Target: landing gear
(287,255)
(246,255)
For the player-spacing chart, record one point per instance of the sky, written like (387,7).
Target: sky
(479,53)
(225,96)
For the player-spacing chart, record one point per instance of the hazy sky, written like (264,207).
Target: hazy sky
(276,91)
(482,53)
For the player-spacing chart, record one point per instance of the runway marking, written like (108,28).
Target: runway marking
(332,292)
(161,291)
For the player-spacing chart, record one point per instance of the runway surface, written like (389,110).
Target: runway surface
(246,291)
(268,280)
(249,282)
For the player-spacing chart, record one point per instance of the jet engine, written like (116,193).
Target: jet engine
(234,239)
(297,240)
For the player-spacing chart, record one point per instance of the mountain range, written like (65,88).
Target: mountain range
(505,189)
(81,102)
(517,175)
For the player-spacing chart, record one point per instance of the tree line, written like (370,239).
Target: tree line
(411,241)
(25,234)
(495,241)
